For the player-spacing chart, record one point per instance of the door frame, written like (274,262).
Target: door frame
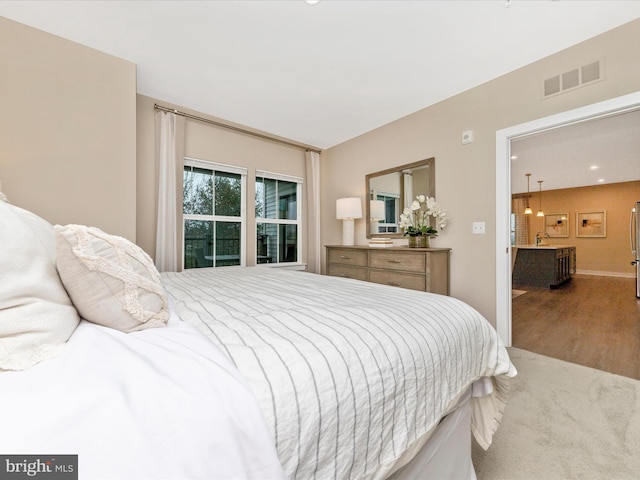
(603,109)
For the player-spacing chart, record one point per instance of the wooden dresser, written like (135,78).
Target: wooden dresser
(424,269)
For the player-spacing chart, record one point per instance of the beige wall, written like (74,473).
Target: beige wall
(609,255)
(68,144)
(67,130)
(466,174)
(216,144)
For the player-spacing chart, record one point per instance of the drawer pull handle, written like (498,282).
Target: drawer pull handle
(393,284)
(346,257)
(394,261)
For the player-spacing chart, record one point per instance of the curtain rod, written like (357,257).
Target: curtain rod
(235,129)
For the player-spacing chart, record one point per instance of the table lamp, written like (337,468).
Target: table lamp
(377,213)
(347,210)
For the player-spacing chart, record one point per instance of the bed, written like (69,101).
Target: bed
(233,372)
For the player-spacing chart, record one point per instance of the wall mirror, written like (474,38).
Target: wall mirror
(391,190)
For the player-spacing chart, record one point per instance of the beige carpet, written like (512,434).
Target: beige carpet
(564,421)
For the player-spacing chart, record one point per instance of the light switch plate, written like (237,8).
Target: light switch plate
(478,227)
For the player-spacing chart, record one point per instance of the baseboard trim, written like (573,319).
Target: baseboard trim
(605,274)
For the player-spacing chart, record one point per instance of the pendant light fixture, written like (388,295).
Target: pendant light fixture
(528,211)
(540,212)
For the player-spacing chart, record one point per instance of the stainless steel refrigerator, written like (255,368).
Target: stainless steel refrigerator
(634,232)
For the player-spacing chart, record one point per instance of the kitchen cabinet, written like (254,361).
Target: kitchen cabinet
(544,266)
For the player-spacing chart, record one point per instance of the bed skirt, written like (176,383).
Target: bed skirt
(447,452)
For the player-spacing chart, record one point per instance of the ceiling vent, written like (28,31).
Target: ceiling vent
(552,86)
(572,79)
(591,72)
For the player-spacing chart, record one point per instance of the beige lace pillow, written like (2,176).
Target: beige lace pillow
(110,280)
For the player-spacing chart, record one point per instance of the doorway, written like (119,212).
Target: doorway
(610,107)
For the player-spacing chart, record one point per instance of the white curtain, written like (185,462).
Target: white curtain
(314,253)
(169,160)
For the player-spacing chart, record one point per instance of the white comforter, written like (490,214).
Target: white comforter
(350,375)
(163,403)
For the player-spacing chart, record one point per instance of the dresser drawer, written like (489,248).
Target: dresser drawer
(348,271)
(425,269)
(397,279)
(405,261)
(348,256)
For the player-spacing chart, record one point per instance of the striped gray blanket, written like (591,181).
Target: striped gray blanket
(349,375)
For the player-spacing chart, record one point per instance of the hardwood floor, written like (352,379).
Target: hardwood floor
(591,320)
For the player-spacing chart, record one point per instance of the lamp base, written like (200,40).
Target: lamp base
(348,234)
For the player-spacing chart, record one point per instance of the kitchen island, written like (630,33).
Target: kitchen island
(547,266)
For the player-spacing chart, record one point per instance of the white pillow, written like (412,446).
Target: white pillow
(111,281)
(36,314)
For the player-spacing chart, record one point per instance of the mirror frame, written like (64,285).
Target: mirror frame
(430,162)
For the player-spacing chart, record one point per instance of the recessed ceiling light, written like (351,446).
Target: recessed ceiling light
(513,157)
(600,180)
(593,167)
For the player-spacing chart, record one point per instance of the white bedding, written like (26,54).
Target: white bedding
(349,375)
(163,403)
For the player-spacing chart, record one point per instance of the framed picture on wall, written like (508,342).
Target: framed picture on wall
(556,225)
(592,223)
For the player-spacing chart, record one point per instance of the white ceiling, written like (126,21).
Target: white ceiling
(594,152)
(320,74)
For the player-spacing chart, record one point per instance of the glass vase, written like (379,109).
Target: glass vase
(418,241)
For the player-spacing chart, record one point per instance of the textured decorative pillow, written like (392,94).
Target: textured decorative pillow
(36,314)
(111,281)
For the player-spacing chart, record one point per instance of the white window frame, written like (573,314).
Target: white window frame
(282,221)
(223,168)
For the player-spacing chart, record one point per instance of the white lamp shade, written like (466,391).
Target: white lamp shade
(377,210)
(348,208)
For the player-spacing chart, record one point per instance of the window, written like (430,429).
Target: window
(214,218)
(389,224)
(278,218)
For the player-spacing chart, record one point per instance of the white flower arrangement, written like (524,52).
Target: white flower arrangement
(414,220)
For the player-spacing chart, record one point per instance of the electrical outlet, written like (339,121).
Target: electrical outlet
(478,227)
